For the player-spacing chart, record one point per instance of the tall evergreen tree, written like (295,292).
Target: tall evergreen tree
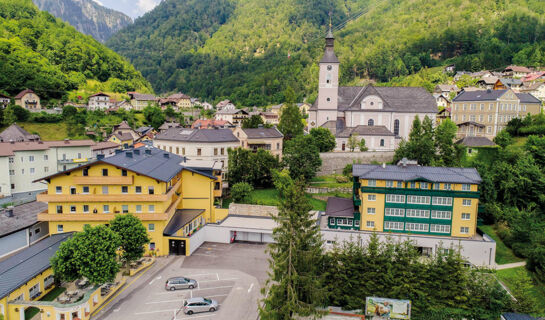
(296,282)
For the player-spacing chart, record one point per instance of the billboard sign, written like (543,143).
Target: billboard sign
(385,309)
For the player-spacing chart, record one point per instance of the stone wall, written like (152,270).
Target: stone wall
(334,162)
(252,210)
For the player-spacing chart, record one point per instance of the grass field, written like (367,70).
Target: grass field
(47,131)
(329,181)
(270,197)
(503,253)
(507,276)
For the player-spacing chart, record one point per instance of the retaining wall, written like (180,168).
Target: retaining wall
(334,162)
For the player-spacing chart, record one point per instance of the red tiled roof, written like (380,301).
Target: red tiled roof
(22,93)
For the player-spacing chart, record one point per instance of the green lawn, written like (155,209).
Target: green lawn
(503,253)
(329,181)
(31,312)
(270,197)
(47,131)
(507,276)
(53,294)
(519,141)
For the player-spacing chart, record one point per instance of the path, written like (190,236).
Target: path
(510,265)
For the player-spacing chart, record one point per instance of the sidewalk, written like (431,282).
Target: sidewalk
(510,265)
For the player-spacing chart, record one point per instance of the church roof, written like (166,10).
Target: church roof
(398,99)
(329,57)
(365,131)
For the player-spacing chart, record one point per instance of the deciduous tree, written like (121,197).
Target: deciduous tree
(132,234)
(323,138)
(302,158)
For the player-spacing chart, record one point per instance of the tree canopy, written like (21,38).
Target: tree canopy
(132,234)
(302,157)
(323,139)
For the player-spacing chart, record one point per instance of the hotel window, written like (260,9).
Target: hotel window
(466,216)
(411,185)
(124,189)
(370,224)
(125,208)
(473,106)
(331,221)
(465,107)
(151,190)
(437,214)
(356,223)
(447,186)
(104,172)
(464,230)
(344,222)
(489,118)
(466,202)
(424,185)
(72,209)
(371,210)
(85,189)
(58,189)
(59,209)
(393,225)
(418,199)
(488,129)
(442,201)
(481,118)
(417,213)
(72,190)
(151,208)
(85,172)
(30,158)
(389,184)
(436,186)
(85,208)
(394,212)
(138,189)
(138,208)
(440,228)
(400,184)
(60,228)
(523,107)
(199,151)
(466,187)
(482,106)
(491,106)
(106,208)
(215,151)
(395,198)
(371,183)
(371,197)
(463,117)
(104,189)
(123,173)
(421,227)
(151,227)
(472,117)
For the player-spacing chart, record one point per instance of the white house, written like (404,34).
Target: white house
(99,101)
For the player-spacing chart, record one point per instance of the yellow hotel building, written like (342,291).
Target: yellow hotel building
(173,200)
(411,199)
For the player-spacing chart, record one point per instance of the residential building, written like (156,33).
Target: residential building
(105,148)
(120,138)
(99,101)
(234,116)
(270,117)
(20,228)
(28,99)
(536,89)
(269,139)
(516,71)
(304,107)
(141,100)
(484,113)
(125,105)
(177,101)
(506,83)
(172,200)
(225,105)
(167,125)
(474,144)
(210,124)
(487,82)
(377,138)
(346,107)
(450,68)
(443,115)
(4,100)
(540,75)
(17,134)
(442,101)
(23,162)
(207,106)
(198,144)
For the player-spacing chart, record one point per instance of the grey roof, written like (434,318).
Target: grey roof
(260,133)
(143,130)
(399,99)
(516,316)
(329,56)
(510,81)
(525,97)
(414,172)
(446,87)
(479,95)
(167,125)
(476,124)
(331,125)
(24,216)
(123,136)
(18,269)
(365,131)
(488,80)
(142,96)
(339,207)
(17,134)
(197,135)
(476,142)
(180,218)
(231,111)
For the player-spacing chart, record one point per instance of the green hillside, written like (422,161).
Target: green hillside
(251,50)
(43,53)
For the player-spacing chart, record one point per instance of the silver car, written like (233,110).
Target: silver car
(200,304)
(180,283)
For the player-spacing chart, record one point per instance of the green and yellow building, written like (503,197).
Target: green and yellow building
(412,199)
(173,200)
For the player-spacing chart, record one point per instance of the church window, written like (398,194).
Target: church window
(371,122)
(396,127)
(328,99)
(382,142)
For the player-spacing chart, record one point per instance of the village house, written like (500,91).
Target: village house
(269,139)
(225,105)
(4,100)
(234,116)
(210,124)
(141,100)
(99,101)
(516,71)
(536,89)
(28,99)
(176,101)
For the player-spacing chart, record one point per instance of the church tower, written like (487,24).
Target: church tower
(328,86)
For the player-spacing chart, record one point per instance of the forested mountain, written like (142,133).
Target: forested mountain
(41,52)
(251,50)
(86,16)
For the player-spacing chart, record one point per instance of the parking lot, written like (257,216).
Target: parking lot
(230,274)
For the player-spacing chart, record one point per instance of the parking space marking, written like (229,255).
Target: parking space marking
(164,301)
(158,311)
(204,254)
(229,279)
(217,295)
(250,289)
(222,287)
(203,316)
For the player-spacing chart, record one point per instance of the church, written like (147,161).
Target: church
(380,115)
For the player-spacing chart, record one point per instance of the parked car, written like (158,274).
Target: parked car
(200,304)
(180,283)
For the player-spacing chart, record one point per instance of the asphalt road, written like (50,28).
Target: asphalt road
(231,274)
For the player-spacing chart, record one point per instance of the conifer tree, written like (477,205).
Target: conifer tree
(296,282)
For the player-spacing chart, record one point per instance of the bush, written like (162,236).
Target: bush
(347,171)
(240,192)
(342,179)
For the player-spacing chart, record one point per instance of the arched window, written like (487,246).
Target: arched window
(371,122)
(396,127)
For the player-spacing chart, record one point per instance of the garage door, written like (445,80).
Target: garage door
(254,237)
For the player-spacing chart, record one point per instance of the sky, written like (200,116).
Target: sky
(132,8)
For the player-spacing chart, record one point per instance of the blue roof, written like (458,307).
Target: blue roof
(20,268)
(516,316)
(414,172)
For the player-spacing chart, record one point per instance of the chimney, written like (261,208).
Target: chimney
(148,151)
(100,156)
(9,212)
(137,152)
(66,141)
(118,151)
(166,155)
(128,154)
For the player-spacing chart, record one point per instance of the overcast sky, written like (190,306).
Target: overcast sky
(132,8)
